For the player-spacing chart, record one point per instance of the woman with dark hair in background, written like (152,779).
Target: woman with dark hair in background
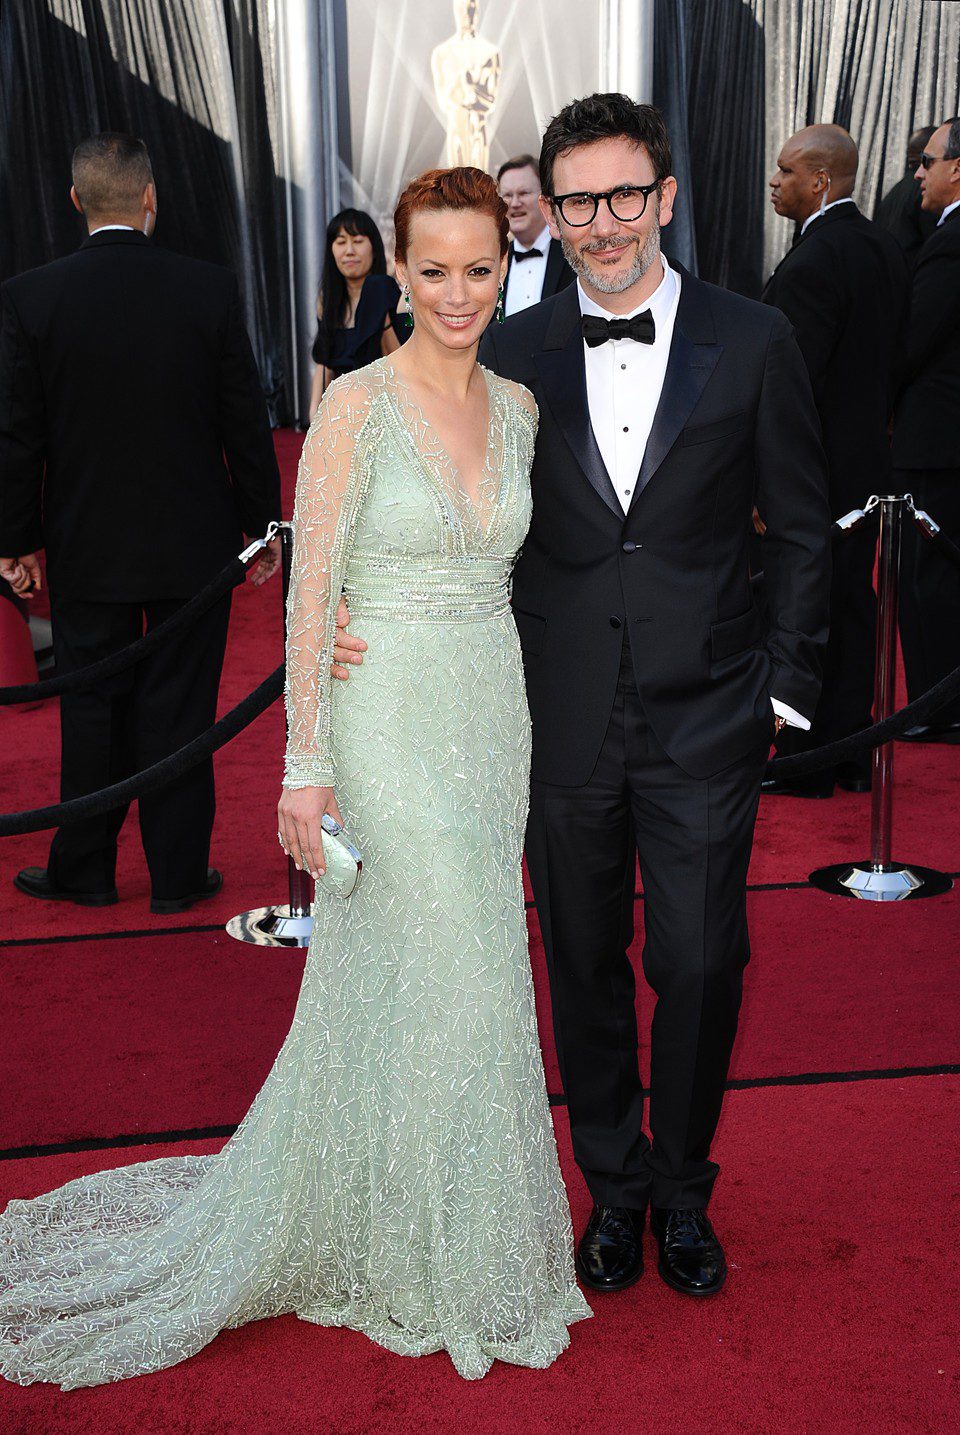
(357,303)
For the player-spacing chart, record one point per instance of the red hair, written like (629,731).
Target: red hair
(462,188)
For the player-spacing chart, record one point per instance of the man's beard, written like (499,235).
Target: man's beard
(644,258)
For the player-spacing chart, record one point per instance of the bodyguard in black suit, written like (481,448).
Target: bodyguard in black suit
(536,268)
(654,682)
(844,286)
(134,448)
(926,438)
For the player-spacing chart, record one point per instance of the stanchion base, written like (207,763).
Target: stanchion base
(894,883)
(271,927)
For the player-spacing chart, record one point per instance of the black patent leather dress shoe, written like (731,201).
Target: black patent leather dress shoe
(948,732)
(854,776)
(816,786)
(691,1258)
(610,1253)
(35,882)
(168,905)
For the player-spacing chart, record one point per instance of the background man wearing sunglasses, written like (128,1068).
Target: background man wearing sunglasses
(926,438)
(667,408)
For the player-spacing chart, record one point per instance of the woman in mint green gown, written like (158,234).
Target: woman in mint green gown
(397,1173)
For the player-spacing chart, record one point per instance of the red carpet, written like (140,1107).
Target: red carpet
(833,1201)
(174,1033)
(836,1317)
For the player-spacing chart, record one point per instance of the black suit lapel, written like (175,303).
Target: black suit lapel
(842,214)
(694,354)
(555,263)
(563,376)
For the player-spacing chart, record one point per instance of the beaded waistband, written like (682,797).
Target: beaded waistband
(451,591)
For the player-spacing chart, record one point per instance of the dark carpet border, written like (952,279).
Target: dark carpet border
(208,1133)
(221,926)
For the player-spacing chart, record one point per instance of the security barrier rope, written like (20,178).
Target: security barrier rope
(251,707)
(169,768)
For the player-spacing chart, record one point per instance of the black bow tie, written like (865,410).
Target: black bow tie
(521,254)
(597,331)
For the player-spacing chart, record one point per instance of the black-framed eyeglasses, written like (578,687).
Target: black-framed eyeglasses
(927,160)
(627,202)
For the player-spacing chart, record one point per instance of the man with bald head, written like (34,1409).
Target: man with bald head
(844,287)
(926,437)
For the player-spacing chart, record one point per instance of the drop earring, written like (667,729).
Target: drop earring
(408,316)
(500,314)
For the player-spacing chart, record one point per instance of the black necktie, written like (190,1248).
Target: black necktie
(597,331)
(521,254)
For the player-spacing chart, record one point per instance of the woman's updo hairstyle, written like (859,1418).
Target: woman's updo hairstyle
(462,188)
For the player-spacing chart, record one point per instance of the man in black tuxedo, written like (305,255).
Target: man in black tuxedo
(536,267)
(126,381)
(667,408)
(844,286)
(900,210)
(926,439)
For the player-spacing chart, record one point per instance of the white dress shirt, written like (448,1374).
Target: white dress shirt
(101,227)
(624,382)
(848,199)
(525,280)
(949,210)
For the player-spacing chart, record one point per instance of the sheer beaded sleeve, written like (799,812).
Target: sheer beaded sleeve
(329,493)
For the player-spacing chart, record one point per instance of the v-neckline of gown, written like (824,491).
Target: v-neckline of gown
(474,503)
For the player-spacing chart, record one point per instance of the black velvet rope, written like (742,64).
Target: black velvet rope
(240,717)
(800,763)
(946,546)
(167,770)
(234,722)
(171,627)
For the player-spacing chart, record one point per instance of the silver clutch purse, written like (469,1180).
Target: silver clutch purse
(343,862)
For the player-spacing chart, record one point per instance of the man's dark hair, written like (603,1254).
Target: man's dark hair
(519,161)
(917,143)
(952,147)
(602,117)
(110,173)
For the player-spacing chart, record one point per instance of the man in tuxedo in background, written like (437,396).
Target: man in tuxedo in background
(926,439)
(536,267)
(667,408)
(844,286)
(900,210)
(135,448)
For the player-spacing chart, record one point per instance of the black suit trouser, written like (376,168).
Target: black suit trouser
(930,587)
(694,839)
(128,723)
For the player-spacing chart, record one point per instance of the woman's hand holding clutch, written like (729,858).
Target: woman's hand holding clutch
(299,813)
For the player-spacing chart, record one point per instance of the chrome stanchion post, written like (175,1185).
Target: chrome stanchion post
(884,693)
(881,879)
(289,925)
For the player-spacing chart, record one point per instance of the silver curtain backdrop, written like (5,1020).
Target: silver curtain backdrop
(197,80)
(738,77)
(240,103)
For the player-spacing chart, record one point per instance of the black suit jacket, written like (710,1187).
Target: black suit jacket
(735,423)
(845,287)
(900,213)
(926,430)
(134,440)
(558,272)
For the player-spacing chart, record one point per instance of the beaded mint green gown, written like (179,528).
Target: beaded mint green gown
(397,1173)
